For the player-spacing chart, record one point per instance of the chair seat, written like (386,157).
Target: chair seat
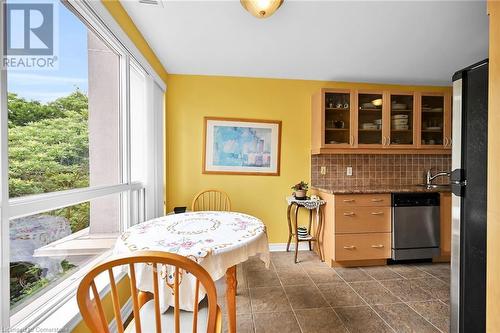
(148,322)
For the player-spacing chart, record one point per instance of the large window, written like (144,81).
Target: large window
(83,157)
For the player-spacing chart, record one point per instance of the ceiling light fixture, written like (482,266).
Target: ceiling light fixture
(261,8)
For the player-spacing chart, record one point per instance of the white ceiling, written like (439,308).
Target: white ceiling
(420,42)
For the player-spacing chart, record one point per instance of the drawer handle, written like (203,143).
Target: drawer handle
(348,200)
(377,200)
(377,213)
(379,246)
(349,214)
(351,247)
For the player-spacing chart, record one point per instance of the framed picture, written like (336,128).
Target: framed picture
(242,146)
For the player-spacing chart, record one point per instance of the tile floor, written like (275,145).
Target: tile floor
(310,297)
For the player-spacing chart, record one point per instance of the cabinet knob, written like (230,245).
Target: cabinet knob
(446,141)
(377,213)
(379,246)
(377,200)
(350,247)
(348,200)
(349,214)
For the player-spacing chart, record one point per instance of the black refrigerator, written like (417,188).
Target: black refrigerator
(469,186)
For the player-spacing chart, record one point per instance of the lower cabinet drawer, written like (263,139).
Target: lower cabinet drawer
(356,200)
(362,246)
(362,219)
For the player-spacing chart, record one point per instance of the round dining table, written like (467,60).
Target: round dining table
(218,241)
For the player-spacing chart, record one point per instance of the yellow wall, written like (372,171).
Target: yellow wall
(493,262)
(190,98)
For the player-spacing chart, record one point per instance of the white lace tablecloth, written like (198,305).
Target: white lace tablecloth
(216,240)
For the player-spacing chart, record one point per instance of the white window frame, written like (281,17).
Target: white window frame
(95,17)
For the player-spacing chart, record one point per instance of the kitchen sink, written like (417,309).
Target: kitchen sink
(434,186)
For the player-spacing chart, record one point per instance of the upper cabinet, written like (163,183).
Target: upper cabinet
(336,119)
(402,120)
(435,121)
(370,106)
(381,121)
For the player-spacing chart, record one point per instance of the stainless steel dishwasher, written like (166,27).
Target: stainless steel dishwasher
(415,225)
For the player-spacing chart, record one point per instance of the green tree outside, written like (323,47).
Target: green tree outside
(48,152)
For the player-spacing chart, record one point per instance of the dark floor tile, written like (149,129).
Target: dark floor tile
(309,258)
(403,319)
(434,286)
(255,264)
(322,274)
(242,302)
(408,271)
(362,319)
(292,276)
(437,269)
(277,322)
(352,274)
(435,312)
(262,278)
(305,297)
(269,299)
(444,278)
(282,259)
(407,290)
(340,294)
(374,293)
(323,320)
(244,323)
(381,273)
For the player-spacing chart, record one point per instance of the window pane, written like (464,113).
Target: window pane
(64,123)
(138,129)
(46,248)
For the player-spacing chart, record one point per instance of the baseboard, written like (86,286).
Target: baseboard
(126,311)
(281,247)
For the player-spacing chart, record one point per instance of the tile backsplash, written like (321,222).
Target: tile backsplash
(403,169)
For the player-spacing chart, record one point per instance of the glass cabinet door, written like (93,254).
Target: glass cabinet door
(432,125)
(337,118)
(402,126)
(370,119)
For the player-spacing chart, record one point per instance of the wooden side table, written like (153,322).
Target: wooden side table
(315,207)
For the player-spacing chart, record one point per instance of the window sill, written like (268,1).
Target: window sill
(57,309)
(81,243)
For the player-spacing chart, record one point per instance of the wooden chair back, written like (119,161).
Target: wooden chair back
(92,310)
(211,199)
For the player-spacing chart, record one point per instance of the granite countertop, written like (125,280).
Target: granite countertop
(379,189)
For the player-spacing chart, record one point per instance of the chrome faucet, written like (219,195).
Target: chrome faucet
(429,177)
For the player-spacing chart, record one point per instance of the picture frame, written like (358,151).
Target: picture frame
(239,146)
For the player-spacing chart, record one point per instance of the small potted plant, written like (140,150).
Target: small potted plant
(300,190)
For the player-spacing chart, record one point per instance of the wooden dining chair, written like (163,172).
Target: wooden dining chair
(211,199)
(146,306)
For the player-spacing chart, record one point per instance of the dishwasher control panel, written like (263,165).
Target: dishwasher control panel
(415,199)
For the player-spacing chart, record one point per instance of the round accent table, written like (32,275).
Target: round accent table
(315,208)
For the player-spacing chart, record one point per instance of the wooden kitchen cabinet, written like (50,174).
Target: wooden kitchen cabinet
(435,121)
(445,224)
(381,121)
(333,119)
(357,229)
